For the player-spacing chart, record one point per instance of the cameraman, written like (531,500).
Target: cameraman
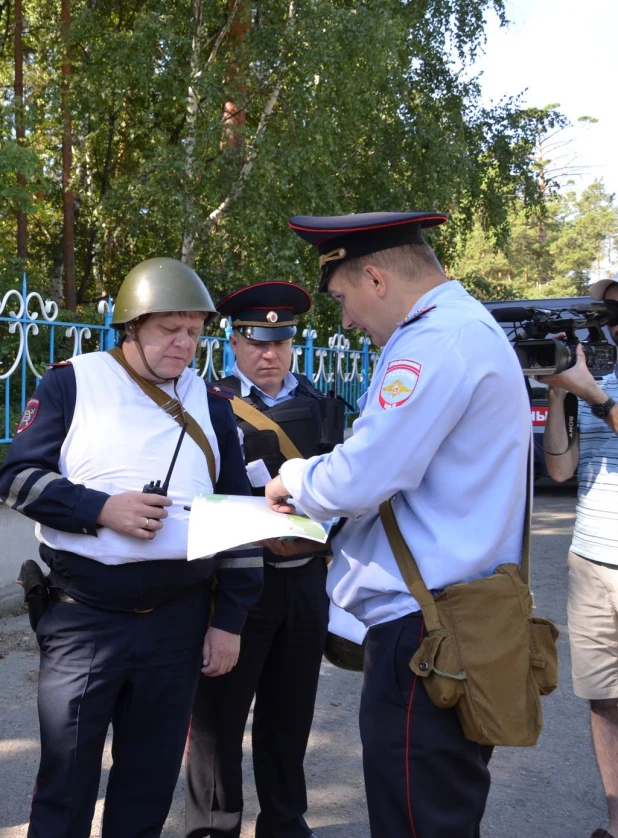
(593,557)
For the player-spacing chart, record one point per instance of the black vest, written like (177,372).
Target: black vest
(314,422)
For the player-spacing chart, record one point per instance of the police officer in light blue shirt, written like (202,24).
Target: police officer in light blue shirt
(444,430)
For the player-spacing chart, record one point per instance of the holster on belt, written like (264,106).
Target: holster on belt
(36,592)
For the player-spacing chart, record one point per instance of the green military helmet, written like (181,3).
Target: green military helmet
(344,653)
(160,285)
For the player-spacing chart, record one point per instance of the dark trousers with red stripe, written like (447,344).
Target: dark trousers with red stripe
(423,778)
(280,653)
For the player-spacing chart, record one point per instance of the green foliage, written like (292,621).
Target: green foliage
(370,112)
(552,255)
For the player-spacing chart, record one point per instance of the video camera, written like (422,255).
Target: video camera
(539,355)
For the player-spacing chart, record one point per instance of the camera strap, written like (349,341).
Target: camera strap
(570,418)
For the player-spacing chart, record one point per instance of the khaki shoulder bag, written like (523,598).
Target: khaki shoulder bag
(484,654)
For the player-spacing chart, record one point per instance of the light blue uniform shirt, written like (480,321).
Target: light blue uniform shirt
(445,426)
(288,386)
(596,523)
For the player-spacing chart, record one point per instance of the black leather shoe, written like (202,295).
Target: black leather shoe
(601,833)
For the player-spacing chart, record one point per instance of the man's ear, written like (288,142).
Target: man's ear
(378,279)
(132,327)
(233,342)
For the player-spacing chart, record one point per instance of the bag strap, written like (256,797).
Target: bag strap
(256,418)
(409,568)
(524,567)
(172,407)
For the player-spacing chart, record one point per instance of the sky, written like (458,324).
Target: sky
(561,51)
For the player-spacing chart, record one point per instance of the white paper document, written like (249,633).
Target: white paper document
(222,522)
(257,473)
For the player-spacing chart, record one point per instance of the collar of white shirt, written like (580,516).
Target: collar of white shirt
(289,385)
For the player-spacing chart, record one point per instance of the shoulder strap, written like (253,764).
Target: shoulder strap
(173,407)
(231,382)
(306,386)
(409,569)
(254,417)
(524,568)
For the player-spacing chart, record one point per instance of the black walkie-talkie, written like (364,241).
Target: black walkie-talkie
(153,488)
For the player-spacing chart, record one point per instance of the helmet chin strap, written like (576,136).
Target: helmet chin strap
(132,332)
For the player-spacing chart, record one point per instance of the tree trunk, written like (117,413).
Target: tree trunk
(234,113)
(68,201)
(217,214)
(192,112)
(20,130)
(55,282)
(188,239)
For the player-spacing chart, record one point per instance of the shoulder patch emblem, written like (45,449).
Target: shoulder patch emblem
(29,415)
(217,390)
(399,382)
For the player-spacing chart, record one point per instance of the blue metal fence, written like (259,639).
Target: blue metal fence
(32,321)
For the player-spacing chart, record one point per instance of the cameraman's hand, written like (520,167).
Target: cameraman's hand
(577,380)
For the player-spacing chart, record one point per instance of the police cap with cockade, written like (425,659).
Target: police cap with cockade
(267,310)
(340,238)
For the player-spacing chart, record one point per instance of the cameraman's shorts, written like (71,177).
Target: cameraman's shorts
(593,627)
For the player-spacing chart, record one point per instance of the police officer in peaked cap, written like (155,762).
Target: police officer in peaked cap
(280,414)
(444,431)
(126,630)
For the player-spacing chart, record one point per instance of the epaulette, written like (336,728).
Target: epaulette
(59,364)
(217,390)
(416,316)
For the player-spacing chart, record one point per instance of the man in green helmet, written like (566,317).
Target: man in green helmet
(125,633)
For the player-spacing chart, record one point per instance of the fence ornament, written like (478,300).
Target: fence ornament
(335,366)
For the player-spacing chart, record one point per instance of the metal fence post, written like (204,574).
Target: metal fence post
(365,341)
(309,334)
(24,360)
(110,333)
(228,354)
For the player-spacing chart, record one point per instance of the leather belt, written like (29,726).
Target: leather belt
(58,595)
(291,563)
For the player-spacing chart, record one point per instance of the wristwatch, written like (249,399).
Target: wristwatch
(601,411)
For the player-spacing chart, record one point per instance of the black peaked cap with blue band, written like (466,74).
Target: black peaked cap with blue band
(267,310)
(340,238)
